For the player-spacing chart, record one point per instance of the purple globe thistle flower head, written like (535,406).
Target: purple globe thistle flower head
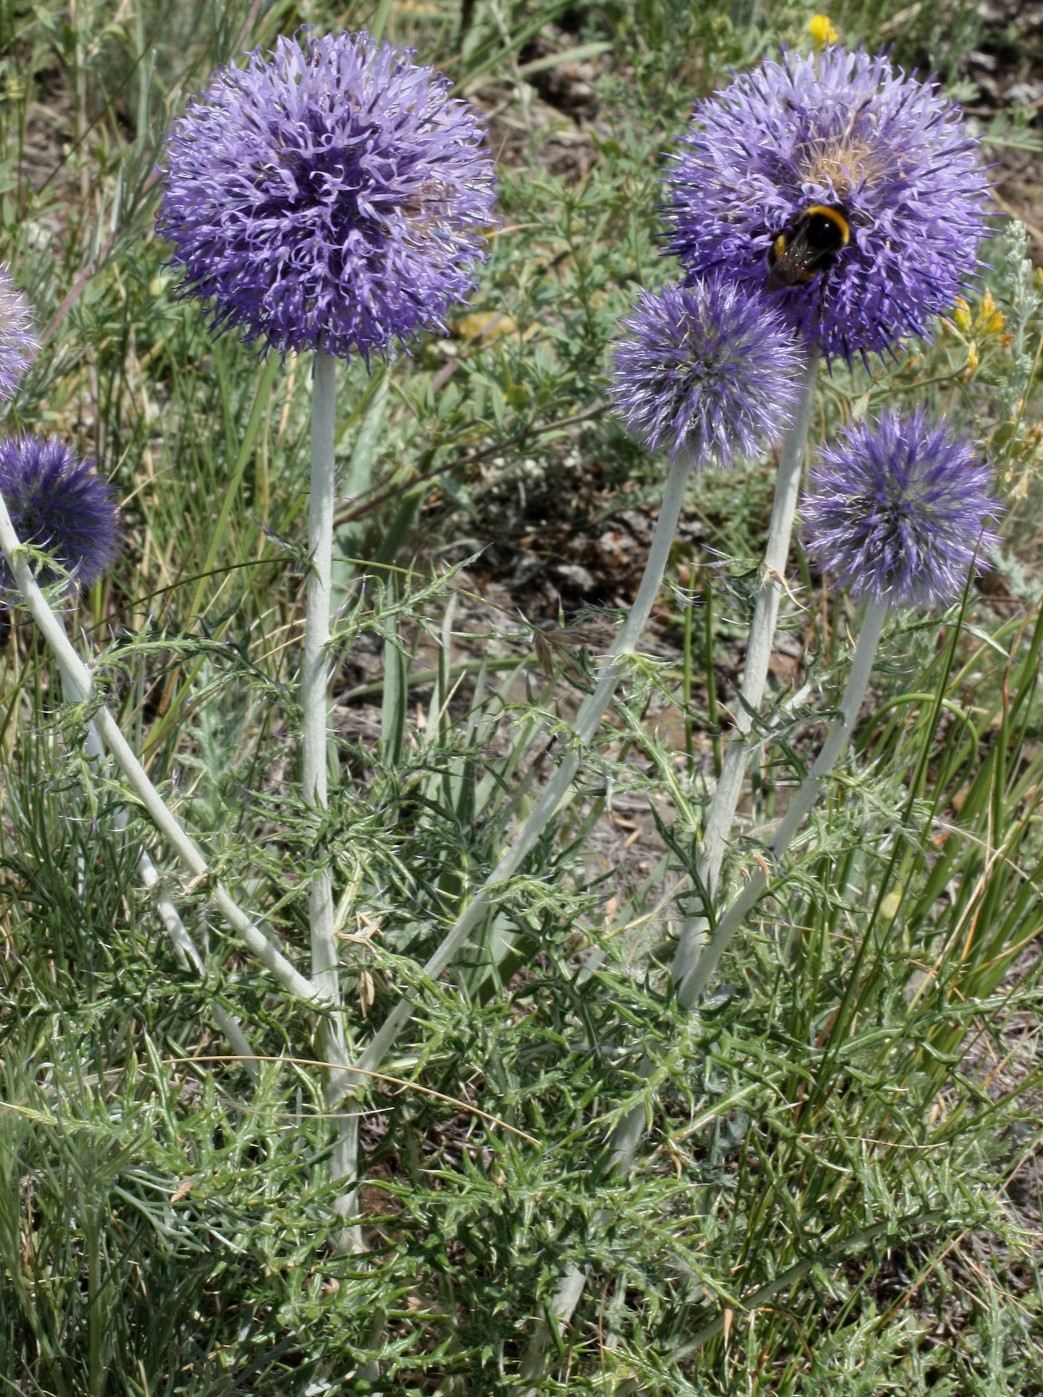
(898,510)
(58,504)
(850,191)
(708,369)
(330,196)
(17,341)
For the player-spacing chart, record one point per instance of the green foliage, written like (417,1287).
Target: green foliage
(823,1204)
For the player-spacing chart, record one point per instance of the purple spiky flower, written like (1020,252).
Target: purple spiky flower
(706,369)
(898,510)
(329,195)
(17,340)
(59,505)
(885,153)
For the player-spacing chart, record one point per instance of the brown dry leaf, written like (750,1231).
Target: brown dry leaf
(186,1186)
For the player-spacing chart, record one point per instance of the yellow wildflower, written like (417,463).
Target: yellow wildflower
(822,30)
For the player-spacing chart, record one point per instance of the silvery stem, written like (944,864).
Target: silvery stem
(184,947)
(631,1130)
(836,741)
(725,800)
(108,730)
(315,758)
(314,673)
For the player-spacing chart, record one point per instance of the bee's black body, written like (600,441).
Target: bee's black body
(808,246)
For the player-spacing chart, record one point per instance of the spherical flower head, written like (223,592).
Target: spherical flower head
(898,510)
(705,369)
(17,341)
(330,195)
(885,160)
(59,505)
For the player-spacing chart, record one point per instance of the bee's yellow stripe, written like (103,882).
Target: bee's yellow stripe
(835,217)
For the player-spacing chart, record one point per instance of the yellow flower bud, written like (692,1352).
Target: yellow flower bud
(961,314)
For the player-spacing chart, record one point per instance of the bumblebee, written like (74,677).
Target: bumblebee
(808,246)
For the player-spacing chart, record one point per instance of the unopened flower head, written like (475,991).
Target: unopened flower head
(329,195)
(899,509)
(59,505)
(850,191)
(706,369)
(17,341)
